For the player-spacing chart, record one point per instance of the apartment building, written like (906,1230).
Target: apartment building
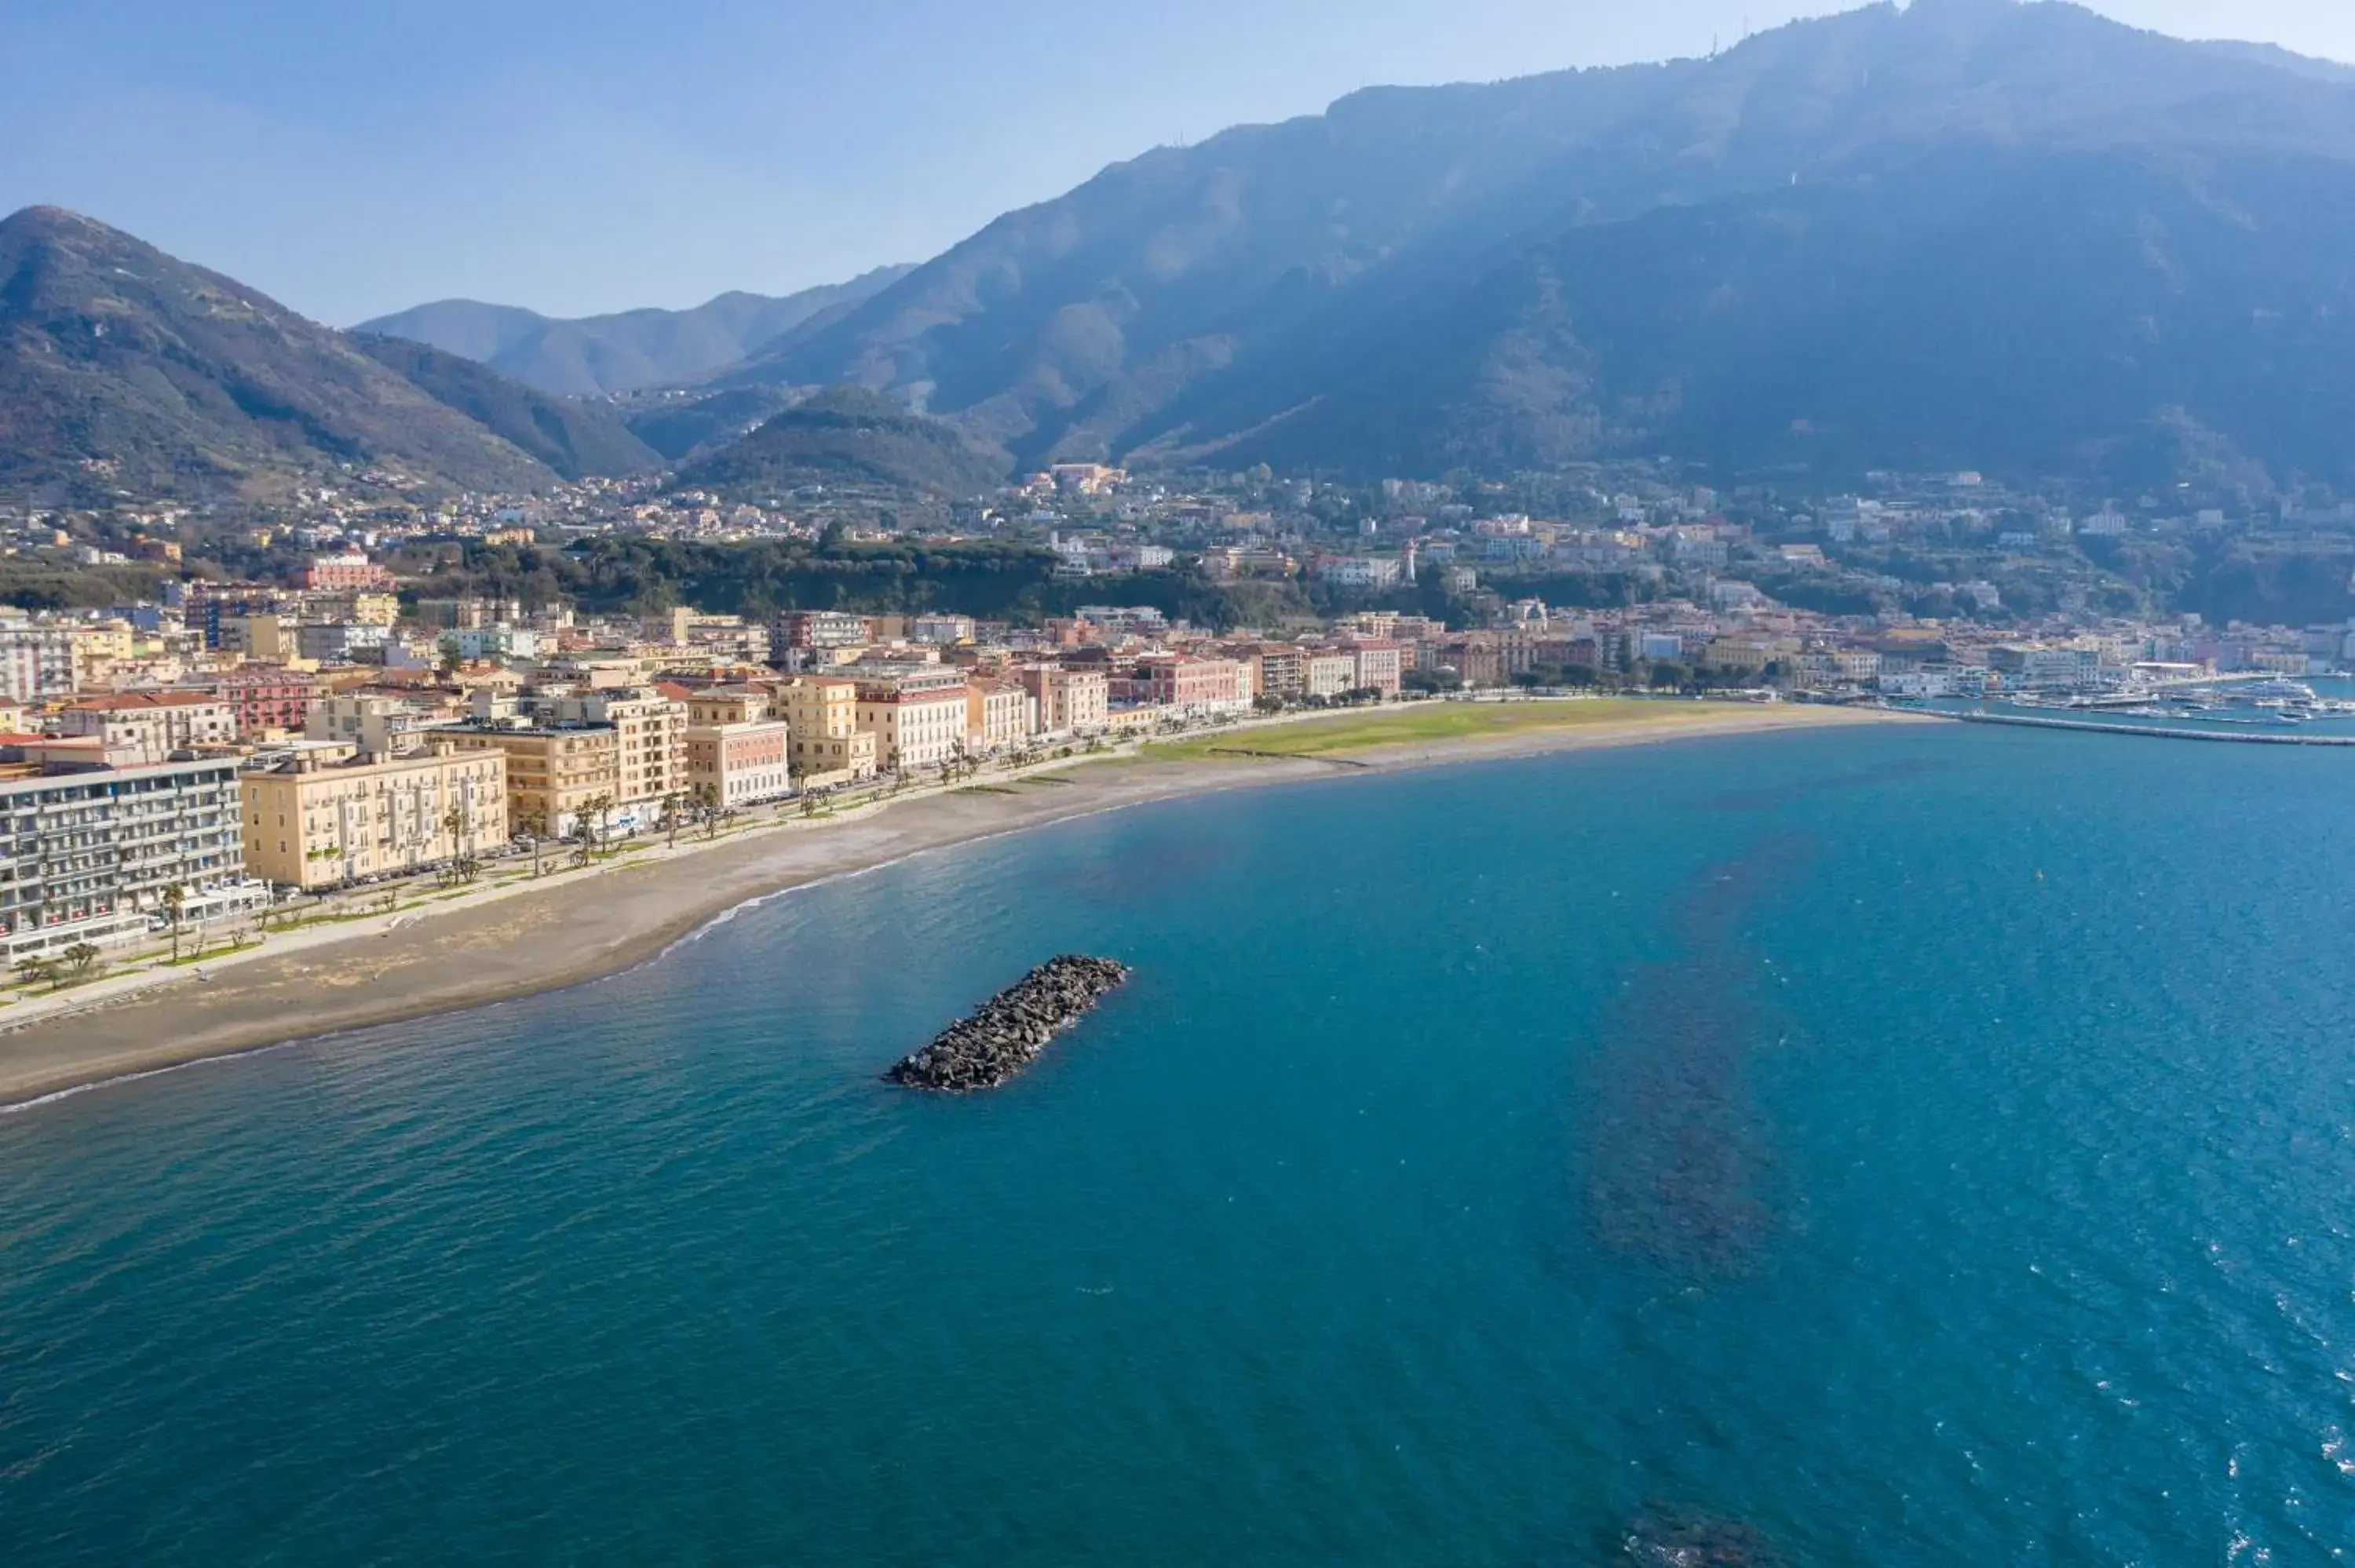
(379,725)
(825,745)
(916,712)
(1069,701)
(1283,668)
(552,774)
(150,725)
(739,763)
(328,816)
(268,698)
(346,574)
(999,714)
(650,742)
(86,855)
(1193,685)
(36,661)
(1328,672)
(1381,663)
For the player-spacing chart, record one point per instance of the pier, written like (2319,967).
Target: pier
(2158,732)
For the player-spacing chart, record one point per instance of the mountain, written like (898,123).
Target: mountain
(625,352)
(682,426)
(122,369)
(1969,233)
(573,438)
(849,436)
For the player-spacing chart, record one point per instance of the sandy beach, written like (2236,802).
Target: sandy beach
(540,935)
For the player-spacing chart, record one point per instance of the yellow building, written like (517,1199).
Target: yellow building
(375,609)
(327,817)
(826,744)
(551,774)
(650,732)
(96,648)
(997,715)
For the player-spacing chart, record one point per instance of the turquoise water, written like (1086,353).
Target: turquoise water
(1924,1145)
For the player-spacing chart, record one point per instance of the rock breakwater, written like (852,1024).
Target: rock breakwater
(1011,1030)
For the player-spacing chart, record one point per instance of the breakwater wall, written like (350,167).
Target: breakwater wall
(1011,1030)
(2157,732)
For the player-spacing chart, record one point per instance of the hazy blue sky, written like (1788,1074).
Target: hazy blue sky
(579,155)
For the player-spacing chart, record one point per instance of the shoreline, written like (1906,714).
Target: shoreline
(534,938)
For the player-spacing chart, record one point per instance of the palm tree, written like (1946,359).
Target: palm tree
(594,813)
(672,809)
(533,823)
(175,904)
(706,807)
(454,822)
(80,956)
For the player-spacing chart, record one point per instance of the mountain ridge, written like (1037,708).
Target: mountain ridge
(1192,301)
(122,368)
(621,351)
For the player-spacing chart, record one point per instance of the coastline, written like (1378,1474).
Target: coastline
(547,936)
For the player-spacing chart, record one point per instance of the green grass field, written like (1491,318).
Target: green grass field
(1362,731)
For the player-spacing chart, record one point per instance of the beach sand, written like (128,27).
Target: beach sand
(541,936)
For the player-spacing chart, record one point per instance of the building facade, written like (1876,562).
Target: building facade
(1069,701)
(917,717)
(318,821)
(553,775)
(825,745)
(739,763)
(268,698)
(997,715)
(87,856)
(37,663)
(148,726)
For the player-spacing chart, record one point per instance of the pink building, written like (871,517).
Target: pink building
(1195,685)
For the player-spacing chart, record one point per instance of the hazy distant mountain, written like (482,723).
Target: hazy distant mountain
(849,436)
(1970,233)
(123,368)
(574,438)
(625,352)
(685,425)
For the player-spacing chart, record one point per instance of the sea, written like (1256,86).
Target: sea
(1908,1144)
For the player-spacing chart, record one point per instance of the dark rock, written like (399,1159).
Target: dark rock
(1011,1030)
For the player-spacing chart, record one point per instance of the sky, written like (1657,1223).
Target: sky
(586,155)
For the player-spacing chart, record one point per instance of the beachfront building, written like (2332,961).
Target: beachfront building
(1195,687)
(553,775)
(330,815)
(1328,672)
(649,739)
(915,711)
(1069,701)
(147,728)
(1381,663)
(87,853)
(825,745)
(999,714)
(737,754)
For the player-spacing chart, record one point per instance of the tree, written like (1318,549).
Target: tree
(594,813)
(706,808)
(175,906)
(673,808)
(1669,673)
(454,822)
(38,971)
(80,957)
(534,825)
